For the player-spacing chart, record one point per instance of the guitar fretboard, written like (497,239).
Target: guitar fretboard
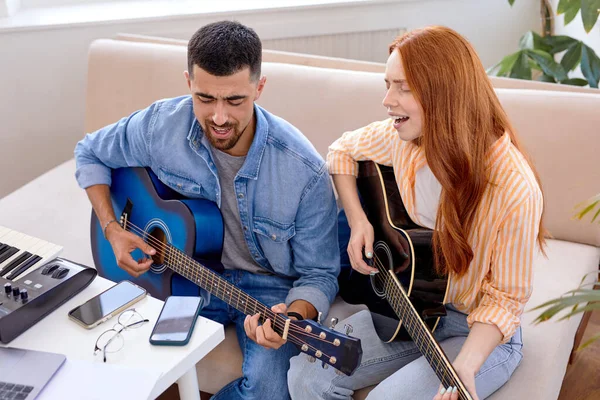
(422,337)
(207,279)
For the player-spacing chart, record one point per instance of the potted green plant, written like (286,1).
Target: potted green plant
(536,57)
(585,293)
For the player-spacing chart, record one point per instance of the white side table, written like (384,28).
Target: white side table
(56,333)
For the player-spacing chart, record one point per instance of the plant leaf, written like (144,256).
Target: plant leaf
(572,57)
(588,307)
(521,68)
(564,5)
(596,216)
(526,41)
(575,82)
(511,2)
(588,342)
(589,13)
(578,295)
(590,65)
(549,66)
(548,78)
(572,11)
(559,43)
(505,65)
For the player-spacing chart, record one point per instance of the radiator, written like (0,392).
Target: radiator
(366,46)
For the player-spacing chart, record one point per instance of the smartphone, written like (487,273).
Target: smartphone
(176,321)
(107,304)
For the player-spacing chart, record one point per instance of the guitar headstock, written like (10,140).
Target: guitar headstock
(340,351)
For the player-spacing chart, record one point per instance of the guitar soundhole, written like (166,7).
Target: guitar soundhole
(382,260)
(159,238)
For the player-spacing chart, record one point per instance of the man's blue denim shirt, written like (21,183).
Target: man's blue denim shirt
(285,197)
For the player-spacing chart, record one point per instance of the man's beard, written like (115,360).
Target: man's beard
(223,144)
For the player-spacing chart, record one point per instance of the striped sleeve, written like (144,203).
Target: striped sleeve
(508,286)
(374,142)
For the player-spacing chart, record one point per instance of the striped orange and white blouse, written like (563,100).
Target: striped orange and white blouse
(499,280)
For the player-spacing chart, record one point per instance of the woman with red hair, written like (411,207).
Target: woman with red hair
(461,172)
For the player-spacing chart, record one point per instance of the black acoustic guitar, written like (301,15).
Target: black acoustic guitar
(406,298)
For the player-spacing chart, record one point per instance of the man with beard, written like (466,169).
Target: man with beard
(272,187)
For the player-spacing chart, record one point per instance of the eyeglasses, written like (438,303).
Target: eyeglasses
(111,341)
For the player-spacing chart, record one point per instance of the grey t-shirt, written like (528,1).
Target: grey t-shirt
(235,250)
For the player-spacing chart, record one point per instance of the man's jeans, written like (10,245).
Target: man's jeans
(402,371)
(264,371)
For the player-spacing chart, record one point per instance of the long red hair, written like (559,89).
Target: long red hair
(462,118)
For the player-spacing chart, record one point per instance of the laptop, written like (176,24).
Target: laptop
(24,373)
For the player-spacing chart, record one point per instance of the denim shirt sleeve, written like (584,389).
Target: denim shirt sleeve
(315,246)
(125,143)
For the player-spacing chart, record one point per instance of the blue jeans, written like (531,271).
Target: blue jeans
(264,371)
(397,368)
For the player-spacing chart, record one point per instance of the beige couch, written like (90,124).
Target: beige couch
(560,129)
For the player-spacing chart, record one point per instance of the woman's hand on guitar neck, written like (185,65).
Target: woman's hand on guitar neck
(123,243)
(467,378)
(361,237)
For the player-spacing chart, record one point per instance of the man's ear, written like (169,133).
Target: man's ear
(187,78)
(260,87)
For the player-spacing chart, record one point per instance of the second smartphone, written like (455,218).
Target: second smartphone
(107,304)
(176,321)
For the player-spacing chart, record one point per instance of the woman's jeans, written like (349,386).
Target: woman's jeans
(397,368)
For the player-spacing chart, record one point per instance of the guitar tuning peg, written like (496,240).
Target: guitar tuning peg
(319,318)
(311,359)
(333,323)
(325,366)
(348,329)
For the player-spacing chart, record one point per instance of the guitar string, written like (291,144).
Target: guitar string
(406,308)
(291,337)
(182,258)
(276,322)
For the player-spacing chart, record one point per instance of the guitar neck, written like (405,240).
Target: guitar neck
(423,337)
(209,280)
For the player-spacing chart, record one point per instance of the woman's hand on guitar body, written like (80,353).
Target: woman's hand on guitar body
(361,237)
(123,243)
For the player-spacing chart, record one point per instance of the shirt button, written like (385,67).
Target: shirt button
(210,163)
(241,195)
(245,228)
(255,255)
(273,237)
(179,185)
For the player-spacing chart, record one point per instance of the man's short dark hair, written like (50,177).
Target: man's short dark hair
(224,48)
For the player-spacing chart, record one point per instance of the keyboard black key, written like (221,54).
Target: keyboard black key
(3,249)
(15,263)
(24,267)
(21,396)
(27,389)
(8,254)
(2,385)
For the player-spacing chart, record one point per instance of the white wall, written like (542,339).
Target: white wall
(43,71)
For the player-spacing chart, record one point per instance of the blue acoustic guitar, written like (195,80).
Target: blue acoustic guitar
(188,237)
